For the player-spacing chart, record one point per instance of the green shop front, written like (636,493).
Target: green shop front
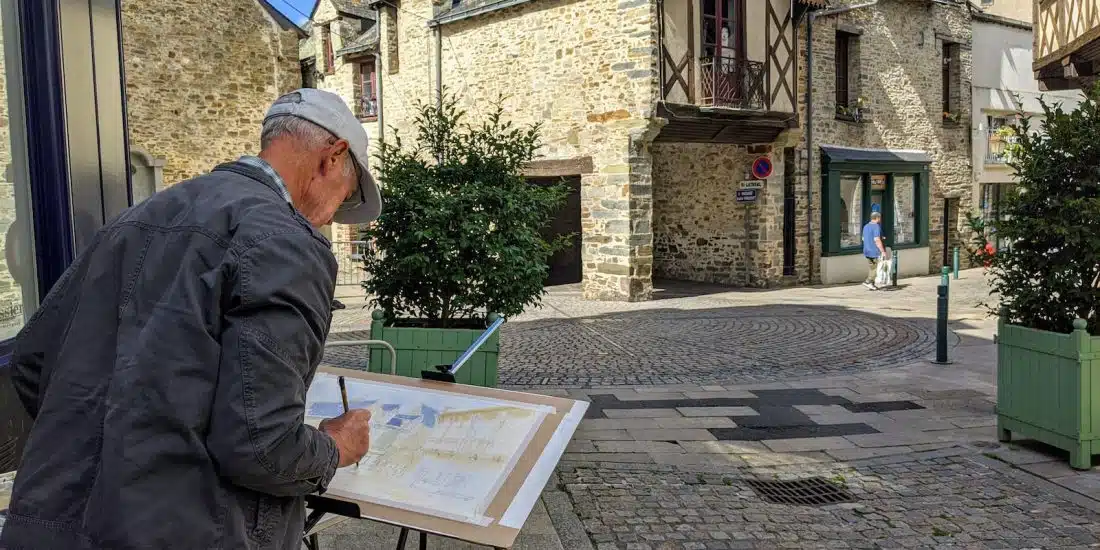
(856,182)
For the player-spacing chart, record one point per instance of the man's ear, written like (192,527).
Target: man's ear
(332,158)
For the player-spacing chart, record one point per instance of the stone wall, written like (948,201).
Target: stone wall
(700,232)
(199,77)
(586,71)
(900,77)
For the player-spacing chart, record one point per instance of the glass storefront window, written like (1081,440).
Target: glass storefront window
(851,210)
(905,209)
(18,292)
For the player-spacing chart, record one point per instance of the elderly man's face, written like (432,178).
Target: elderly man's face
(334,180)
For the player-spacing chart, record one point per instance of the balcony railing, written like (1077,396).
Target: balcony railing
(368,107)
(733,83)
(999,147)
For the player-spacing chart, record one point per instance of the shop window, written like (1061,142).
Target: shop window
(859,182)
(18,285)
(851,214)
(905,209)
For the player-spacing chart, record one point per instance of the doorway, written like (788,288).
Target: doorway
(789,209)
(950,227)
(565,265)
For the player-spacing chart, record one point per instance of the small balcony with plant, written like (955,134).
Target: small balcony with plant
(858,111)
(1001,144)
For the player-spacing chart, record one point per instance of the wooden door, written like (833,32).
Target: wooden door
(565,265)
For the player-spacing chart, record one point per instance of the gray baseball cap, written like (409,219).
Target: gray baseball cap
(329,111)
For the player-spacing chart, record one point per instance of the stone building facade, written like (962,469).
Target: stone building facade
(199,77)
(896,64)
(661,116)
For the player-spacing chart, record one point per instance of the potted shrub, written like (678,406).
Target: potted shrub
(1048,349)
(459,239)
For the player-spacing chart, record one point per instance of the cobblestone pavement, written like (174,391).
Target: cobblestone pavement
(704,396)
(698,333)
(930,501)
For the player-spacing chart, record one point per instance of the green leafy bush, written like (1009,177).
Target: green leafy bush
(1048,273)
(461,231)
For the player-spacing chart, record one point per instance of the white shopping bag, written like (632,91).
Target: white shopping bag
(882,273)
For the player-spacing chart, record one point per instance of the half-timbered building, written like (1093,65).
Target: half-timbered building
(682,126)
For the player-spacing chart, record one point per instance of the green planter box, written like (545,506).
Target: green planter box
(420,349)
(1048,389)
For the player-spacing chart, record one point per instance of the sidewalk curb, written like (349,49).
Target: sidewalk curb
(571,533)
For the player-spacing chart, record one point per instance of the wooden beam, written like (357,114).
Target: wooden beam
(552,168)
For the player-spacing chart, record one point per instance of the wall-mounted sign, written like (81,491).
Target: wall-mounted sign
(878,182)
(762,168)
(752,184)
(746,195)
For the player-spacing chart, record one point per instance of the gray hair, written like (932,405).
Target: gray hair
(302,130)
(291,126)
(875,216)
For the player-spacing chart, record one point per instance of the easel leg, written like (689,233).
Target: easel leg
(314,542)
(402,538)
(423,541)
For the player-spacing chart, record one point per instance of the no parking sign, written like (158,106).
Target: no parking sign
(762,168)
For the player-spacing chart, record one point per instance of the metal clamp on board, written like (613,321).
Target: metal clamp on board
(446,373)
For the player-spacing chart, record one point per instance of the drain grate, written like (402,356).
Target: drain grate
(814,491)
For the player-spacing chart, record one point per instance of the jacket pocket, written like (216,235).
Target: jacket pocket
(265,517)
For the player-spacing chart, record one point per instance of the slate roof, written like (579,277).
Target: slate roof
(366,41)
(354,8)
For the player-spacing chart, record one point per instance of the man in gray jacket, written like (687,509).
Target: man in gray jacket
(166,371)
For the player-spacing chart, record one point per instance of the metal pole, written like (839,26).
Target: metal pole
(439,67)
(896,258)
(381,96)
(477,344)
(956,262)
(941,324)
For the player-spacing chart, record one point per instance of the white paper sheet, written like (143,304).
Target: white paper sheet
(434,452)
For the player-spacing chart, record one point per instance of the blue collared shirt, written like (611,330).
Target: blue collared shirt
(257,162)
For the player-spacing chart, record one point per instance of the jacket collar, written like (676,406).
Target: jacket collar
(261,176)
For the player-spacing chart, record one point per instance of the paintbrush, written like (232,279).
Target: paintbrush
(344,398)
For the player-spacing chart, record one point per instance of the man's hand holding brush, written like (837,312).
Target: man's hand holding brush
(350,431)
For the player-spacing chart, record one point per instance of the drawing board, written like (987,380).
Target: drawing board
(460,461)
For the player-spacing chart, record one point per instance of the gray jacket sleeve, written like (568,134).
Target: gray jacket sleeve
(272,339)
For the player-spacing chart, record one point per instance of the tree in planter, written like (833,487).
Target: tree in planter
(1049,274)
(460,234)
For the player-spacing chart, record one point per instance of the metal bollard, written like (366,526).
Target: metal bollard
(945,276)
(941,324)
(956,262)
(894,275)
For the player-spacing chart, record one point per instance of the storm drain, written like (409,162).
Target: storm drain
(814,491)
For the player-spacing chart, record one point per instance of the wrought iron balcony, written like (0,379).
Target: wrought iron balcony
(999,147)
(368,107)
(732,83)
